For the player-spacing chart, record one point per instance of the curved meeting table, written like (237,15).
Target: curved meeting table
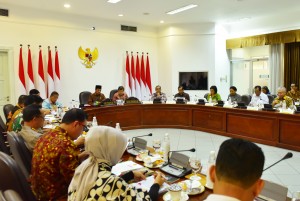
(266,127)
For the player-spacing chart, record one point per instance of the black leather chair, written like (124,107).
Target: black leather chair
(4,147)
(271,98)
(246,99)
(84,97)
(12,177)
(20,152)
(6,109)
(205,96)
(112,93)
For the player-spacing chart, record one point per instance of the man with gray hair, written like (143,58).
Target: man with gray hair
(282,98)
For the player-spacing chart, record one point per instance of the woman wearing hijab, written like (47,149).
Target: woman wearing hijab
(93,179)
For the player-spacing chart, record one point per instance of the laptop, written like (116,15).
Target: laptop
(220,104)
(241,105)
(201,102)
(268,107)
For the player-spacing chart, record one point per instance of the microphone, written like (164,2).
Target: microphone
(287,156)
(191,150)
(75,100)
(150,134)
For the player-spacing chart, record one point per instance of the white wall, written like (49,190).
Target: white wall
(185,47)
(51,30)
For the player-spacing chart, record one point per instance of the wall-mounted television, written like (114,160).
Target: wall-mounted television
(193,80)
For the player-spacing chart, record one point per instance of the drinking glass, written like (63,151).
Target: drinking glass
(196,166)
(156,145)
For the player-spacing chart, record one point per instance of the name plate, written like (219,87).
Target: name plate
(228,106)
(147,102)
(107,103)
(210,104)
(252,108)
(286,111)
(132,102)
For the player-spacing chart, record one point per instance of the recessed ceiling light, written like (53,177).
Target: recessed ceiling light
(182,9)
(120,15)
(66,5)
(146,13)
(161,21)
(113,1)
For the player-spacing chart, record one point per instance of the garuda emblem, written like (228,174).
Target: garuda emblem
(88,58)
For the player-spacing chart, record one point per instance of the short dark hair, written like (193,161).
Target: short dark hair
(266,88)
(240,162)
(214,88)
(54,93)
(74,114)
(31,111)
(180,87)
(233,88)
(98,87)
(34,92)
(33,99)
(120,88)
(22,99)
(258,87)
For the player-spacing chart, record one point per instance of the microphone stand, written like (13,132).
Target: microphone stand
(287,156)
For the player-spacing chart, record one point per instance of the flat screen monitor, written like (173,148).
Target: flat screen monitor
(193,80)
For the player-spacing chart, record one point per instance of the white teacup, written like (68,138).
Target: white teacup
(175,192)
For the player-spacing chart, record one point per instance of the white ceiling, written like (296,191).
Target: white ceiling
(218,11)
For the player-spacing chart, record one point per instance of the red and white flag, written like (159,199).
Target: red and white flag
(50,77)
(57,72)
(30,84)
(127,77)
(132,76)
(145,96)
(41,85)
(138,79)
(148,77)
(21,73)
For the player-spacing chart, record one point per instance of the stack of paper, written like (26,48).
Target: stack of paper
(125,167)
(146,184)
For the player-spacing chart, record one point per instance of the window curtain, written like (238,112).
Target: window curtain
(291,64)
(276,67)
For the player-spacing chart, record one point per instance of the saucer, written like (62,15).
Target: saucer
(167,197)
(208,187)
(197,188)
(153,166)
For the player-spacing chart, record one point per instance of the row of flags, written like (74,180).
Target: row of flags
(138,77)
(44,82)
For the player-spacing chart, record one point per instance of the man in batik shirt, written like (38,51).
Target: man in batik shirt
(55,157)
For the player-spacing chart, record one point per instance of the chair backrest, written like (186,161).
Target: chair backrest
(12,177)
(84,97)
(2,125)
(112,93)
(20,152)
(4,147)
(6,109)
(205,96)
(271,98)
(246,99)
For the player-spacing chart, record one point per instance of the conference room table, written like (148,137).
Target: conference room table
(198,197)
(265,127)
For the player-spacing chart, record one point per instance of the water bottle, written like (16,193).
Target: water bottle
(94,123)
(283,104)
(166,147)
(211,161)
(118,127)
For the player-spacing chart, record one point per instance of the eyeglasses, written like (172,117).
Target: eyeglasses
(84,127)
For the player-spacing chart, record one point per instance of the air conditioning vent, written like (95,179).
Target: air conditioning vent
(128,28)
(3,12)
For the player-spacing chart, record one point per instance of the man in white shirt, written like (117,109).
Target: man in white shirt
(258,97)
(237,172)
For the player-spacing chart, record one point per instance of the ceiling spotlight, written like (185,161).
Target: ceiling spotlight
(161,21)
(182,9)
(66,5)
(120,15)
(113,1)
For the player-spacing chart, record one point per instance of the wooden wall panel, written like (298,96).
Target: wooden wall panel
(209,119)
